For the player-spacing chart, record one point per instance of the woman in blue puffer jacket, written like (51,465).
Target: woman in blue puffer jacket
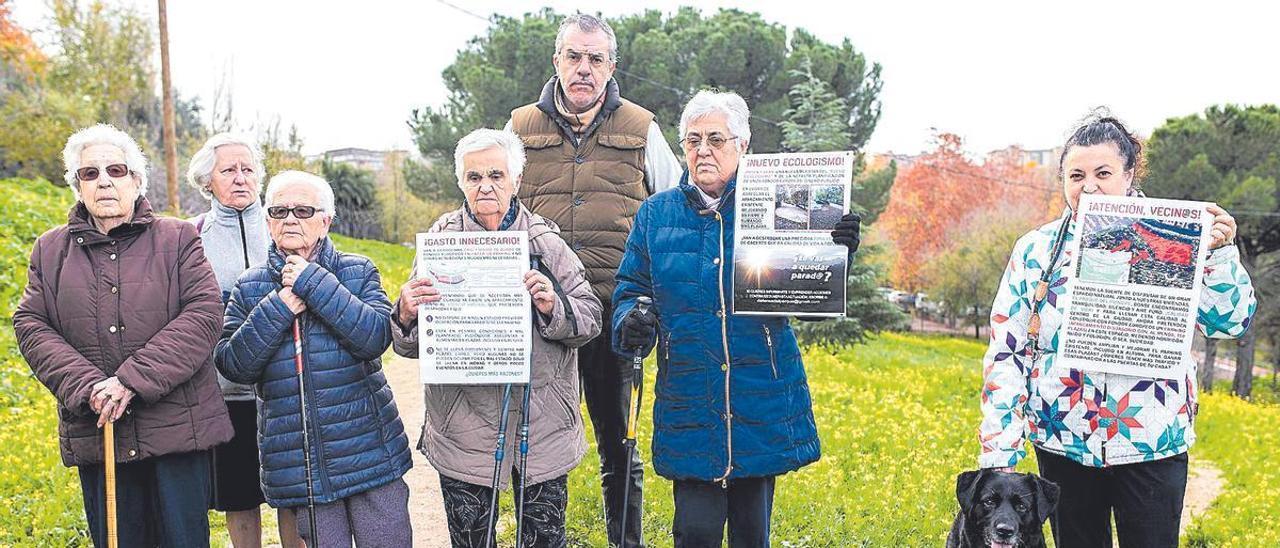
(732,408)
(359,451)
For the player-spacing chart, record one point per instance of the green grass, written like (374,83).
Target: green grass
(897,417)
(1242,439)
(394,261)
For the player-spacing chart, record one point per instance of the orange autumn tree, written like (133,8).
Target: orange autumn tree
(19,56)
(940,190)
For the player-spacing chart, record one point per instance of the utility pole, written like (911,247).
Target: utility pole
(170,135)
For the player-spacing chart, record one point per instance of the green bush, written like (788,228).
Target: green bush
(42,498)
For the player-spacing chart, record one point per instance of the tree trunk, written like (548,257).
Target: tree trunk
(977,331)
(170,137)
(1242,385)
(1206,368)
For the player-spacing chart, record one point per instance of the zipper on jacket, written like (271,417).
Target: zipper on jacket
(244,240)
(1104,402)
(773,359)
(724,340)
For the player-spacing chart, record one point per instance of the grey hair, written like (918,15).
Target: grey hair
(485,139)
(588,23)
(732,105)
(200,169)
(103,134)
(285,178)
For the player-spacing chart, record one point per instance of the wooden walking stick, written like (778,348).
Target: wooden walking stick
(109,464)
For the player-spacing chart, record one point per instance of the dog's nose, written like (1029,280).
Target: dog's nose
(1005,531)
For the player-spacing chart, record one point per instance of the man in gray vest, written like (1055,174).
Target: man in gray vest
(593,157)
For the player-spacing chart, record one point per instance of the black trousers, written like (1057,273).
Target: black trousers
(606,384)
(160,501)
(466,508)
(703,508)
(1146,498)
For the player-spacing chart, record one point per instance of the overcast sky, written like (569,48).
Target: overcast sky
(997,73)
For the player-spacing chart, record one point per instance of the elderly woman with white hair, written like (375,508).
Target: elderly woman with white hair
(733,409)
(461,432)
(118,320)
(228,170)
(331,441)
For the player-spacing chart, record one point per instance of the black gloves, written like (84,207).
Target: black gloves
(638,331)
(847,231)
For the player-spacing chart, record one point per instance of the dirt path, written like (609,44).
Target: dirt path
(1204,484)
(426,510)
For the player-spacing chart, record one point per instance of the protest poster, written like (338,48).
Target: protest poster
(1134,290)
(480,331)
(784,260)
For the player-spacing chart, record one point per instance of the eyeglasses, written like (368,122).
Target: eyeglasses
(715,140)
(597,60)
(91,173)
(299,212)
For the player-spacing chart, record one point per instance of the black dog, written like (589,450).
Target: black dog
(1001,510)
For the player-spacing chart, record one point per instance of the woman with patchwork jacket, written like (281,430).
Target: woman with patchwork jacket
(1113,443)
(732,408)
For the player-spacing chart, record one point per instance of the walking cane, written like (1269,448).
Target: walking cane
(306,434)
(637,391)
(497,466)
(109,465)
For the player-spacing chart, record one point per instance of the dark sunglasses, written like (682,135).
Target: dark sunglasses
(299,212)
(91,173)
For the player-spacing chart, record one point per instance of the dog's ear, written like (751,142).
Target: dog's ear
(1046,497)
(966,485)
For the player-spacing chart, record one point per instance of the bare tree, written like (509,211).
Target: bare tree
(1206,368)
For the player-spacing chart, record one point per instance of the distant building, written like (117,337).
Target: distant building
(1047,157)
(372,160)
(880,160)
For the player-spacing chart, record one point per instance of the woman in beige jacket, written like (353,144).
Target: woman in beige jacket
(461,429)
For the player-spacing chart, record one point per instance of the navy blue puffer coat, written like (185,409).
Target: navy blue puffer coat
(357,439)
(732,398)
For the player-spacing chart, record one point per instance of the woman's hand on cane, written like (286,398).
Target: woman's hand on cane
(109,399)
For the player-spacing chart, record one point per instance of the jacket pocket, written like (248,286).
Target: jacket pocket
(622,141)
(568,405)
(773,351)
(546,140)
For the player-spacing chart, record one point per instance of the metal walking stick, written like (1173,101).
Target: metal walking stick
(306,434)
(109,466)
(535,262)
(524,461)
(637,391)
(497,466)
